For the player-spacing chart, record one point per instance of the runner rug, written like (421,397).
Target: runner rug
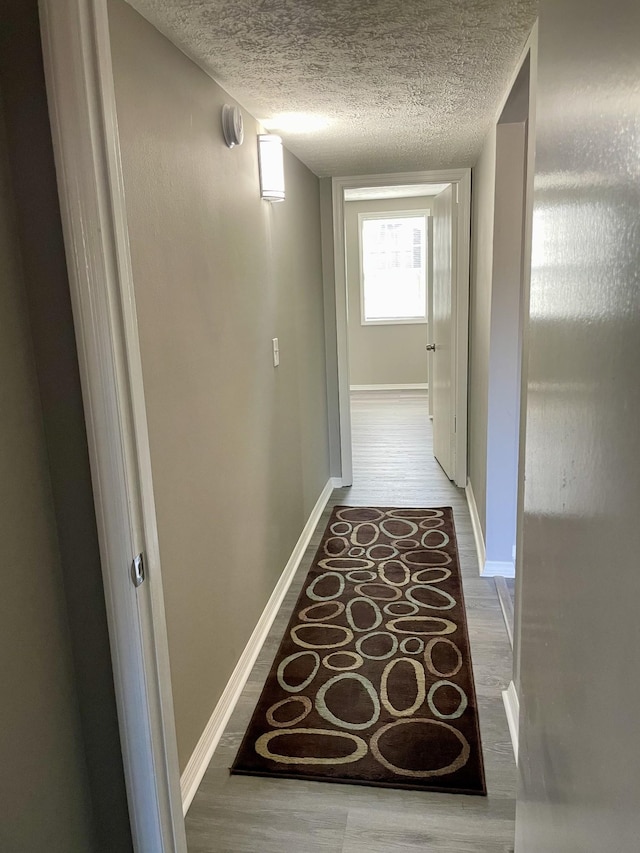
(372,683)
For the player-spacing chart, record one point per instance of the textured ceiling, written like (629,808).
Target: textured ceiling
(405,84)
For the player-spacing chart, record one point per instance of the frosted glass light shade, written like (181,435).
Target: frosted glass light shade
(271,167)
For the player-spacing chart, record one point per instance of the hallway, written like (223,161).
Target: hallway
(393,465)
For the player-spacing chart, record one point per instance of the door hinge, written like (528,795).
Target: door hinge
(137,570)
(455,425)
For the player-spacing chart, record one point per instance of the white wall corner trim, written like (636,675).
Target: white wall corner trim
(203,753)
(416,386)
(512,708)
(476,526)
(498,568)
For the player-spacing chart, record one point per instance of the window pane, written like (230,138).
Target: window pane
(394,268)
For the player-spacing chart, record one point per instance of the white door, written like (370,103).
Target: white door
(430,306)
(441,333)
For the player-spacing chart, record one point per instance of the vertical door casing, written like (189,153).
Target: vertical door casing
(442,366)
(430,307)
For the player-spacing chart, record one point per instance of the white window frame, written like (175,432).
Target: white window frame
(393,214)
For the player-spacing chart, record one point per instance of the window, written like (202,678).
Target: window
(393,267)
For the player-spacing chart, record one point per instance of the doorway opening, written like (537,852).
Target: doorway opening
(388,241)
(507,360)
(388,260)
(388,231)
(504,391)
(389,266)
(505,355)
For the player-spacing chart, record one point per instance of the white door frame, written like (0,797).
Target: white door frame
(461,179)
(430,310)
(79,78)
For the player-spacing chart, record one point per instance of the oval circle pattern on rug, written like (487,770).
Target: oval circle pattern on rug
(372,682)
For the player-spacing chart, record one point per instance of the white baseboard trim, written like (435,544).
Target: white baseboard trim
(512,707)
(476,526)
(420,386)
(202,754)
(486,568)
(503,568)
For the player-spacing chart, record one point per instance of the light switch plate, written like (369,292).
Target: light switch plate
(276,352)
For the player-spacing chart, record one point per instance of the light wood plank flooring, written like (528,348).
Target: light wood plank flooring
(505,587)
(393,465)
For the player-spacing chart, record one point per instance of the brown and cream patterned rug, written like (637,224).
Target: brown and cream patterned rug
(372,683)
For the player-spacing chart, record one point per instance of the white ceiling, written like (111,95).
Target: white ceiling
(405,84)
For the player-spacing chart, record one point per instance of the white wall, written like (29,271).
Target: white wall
(482,215)
(505,344)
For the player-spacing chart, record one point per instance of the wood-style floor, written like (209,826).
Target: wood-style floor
(393,465)
(506,589)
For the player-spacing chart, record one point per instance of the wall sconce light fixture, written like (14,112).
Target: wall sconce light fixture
(232,127)
(271,165)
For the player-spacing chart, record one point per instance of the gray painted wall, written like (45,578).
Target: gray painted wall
(239,449)
(580,689)
(380,355)
(44,791)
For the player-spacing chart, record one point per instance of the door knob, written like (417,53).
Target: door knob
(431,347)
